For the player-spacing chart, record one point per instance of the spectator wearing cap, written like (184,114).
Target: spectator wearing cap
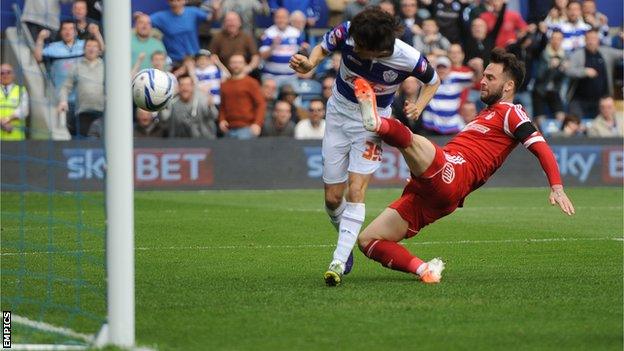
(241,114)
(209,73)
(179,25)
(143,44)
(314,126)
(232,40)
(278,44)
(281,122)
(441,116)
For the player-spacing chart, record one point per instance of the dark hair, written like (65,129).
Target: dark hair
(63,22)
(570,118)
(185,75)
(91,38)
(572,3)
(317,99)
(375,30)
(158,52)
(593,30)
(555,30)
(511,65)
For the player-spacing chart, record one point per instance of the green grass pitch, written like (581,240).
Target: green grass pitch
(242,270)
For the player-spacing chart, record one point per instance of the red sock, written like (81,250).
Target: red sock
(393,256)
(394,133)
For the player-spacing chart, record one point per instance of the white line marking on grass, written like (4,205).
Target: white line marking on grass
(52,328)
(305,246)
(47,347)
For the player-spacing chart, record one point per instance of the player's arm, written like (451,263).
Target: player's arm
(333,40)
(303,64)
(533,140)
(424,72)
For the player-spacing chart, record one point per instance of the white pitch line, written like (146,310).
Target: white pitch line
(52,328)
(305,246)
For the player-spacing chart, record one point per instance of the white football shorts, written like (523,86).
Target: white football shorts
(347,146)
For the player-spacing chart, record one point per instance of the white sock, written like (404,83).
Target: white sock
(336,215)
(350,225)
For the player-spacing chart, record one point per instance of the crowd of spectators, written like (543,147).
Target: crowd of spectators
(235,82)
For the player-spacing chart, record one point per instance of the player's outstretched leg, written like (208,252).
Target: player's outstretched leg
(379,242)
(391,131)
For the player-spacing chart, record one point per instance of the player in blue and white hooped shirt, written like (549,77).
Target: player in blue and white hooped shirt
(278,44)
(351,154)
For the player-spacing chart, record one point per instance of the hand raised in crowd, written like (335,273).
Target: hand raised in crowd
(44,34)
(93,28)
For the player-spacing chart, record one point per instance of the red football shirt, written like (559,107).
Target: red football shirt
(512,22)
(486,142)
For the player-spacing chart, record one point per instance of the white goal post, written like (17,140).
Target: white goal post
(119,182)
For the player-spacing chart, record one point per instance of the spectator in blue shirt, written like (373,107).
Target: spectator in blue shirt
(179,27)
(62,55)
(311,8)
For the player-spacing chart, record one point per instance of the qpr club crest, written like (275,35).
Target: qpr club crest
(390,76)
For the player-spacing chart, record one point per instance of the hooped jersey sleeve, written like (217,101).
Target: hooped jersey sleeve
(335,38)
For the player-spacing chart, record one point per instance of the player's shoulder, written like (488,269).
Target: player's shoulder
(404,57)
(508,110)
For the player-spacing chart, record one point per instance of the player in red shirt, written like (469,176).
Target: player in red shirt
(443,176)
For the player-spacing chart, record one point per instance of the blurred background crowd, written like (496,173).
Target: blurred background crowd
(230,61)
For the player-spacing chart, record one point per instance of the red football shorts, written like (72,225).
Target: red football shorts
(434,194)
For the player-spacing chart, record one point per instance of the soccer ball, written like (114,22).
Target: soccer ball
(152,89)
